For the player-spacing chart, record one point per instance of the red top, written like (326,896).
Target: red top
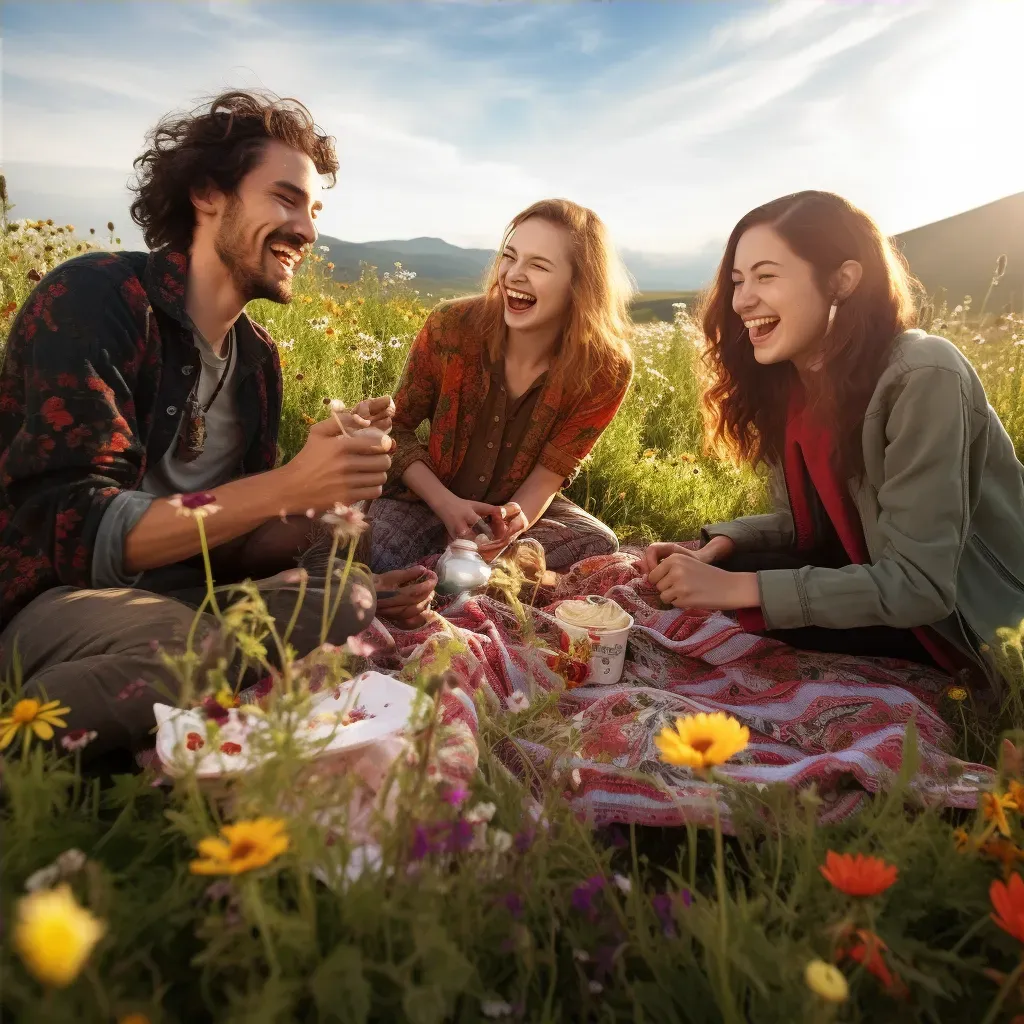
(809,445)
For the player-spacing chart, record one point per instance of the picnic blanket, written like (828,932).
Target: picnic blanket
(833,720)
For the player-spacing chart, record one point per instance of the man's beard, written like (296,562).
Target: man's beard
(245,267)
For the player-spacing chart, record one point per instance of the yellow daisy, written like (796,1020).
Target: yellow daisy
(702,740)
(54,936)
(826,981)
(243,846)
(34,719)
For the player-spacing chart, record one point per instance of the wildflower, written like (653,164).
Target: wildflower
(244,846)
(1017,794)
(346,522)
(858,875)
(961,839)
(54,936)
(456,795)
(583,896)
(359,646)
(480,813)
(32,718)
(69,863)
(518,701)
(994,807)
(623,884)
(595,988)
(524,839)
(494,1008)
(1003,851)
(77,739)
(867,950)
(501,841)
(195,506)
(1008,903)
(826,981)
(132,690)
(957,693)
(702,740)
(513,903)
(581,956)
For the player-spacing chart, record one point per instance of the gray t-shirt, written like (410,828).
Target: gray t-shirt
(222,455)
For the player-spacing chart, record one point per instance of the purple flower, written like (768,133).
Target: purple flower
(421,844)
(513,904)
(663,904)
(524,839)
(460,836)
(583,896)
(456,795)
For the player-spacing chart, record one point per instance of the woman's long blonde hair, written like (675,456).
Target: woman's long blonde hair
(595,341)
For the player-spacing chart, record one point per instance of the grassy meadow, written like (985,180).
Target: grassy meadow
(536,917)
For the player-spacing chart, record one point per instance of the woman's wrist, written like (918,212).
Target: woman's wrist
(746,591)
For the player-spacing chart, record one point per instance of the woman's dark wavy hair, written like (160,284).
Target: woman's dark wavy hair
(218,144)
(745,403)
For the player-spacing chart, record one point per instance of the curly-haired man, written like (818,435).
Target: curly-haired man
(131,379)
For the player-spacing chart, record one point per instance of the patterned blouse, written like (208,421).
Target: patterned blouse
(98,368)
(446,380)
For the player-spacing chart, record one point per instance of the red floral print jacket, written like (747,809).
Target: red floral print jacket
(445,380)
(97,371)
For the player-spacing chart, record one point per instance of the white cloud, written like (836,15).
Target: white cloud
(670,143)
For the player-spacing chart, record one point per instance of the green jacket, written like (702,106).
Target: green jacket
(941,503)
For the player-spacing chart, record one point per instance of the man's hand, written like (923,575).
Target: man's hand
(408,608)
(687,582)
(331,468)
(716,550)
(370,412)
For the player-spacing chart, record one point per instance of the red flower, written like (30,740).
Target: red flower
(1008,901)
(194,741)
(867,950)
(55,414)
(198,500)
(858,875)
(230,748)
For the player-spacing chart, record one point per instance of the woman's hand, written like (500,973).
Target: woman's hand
(687,582)
(408,607)
(716,550)
(460,515)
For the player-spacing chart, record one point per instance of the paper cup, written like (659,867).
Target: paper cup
(609,650)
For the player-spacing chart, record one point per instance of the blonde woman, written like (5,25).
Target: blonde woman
(518,384)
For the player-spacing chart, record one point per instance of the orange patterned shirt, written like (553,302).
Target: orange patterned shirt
(446,380)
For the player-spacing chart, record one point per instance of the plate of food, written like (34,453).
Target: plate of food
(366,709)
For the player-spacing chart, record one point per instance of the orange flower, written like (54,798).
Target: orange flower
(995,806)
(1008,901)
(867,950)
(1004,851)
(858,875)
(1017,794)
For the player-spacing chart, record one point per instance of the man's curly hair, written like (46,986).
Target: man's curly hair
(218,145)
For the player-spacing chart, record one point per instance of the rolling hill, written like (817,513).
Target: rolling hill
(955,255)
(958,254)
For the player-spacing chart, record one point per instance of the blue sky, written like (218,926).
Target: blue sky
(669,119)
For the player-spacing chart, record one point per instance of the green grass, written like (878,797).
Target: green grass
(452,938)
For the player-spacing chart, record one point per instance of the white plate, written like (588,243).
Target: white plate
(386,702)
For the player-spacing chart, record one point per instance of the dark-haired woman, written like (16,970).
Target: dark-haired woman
(898,496)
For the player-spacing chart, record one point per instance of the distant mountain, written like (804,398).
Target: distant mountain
(435,261)
(958,254)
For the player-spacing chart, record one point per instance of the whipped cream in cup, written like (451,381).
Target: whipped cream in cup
(607,625)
